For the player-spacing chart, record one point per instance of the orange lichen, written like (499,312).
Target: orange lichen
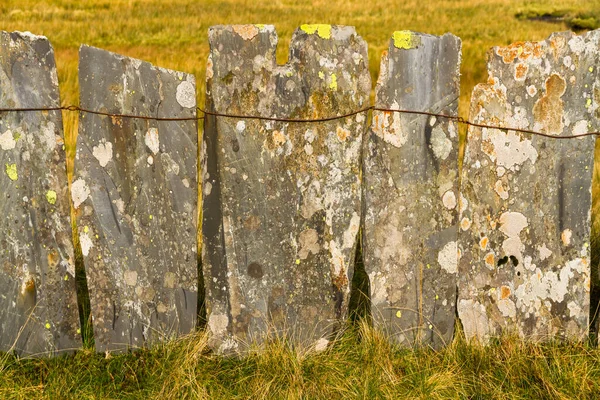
(521,71)
(247,32)
(504,292)
(341,280)
(520,50)
(483,243)
(489,259)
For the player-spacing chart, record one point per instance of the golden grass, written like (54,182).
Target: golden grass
(361,364)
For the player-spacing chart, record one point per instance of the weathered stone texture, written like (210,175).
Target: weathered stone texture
(525,214)
(281,200)
(411,191)
(38,302)
(135,197)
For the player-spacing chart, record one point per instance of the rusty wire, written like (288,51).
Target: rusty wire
(457,119)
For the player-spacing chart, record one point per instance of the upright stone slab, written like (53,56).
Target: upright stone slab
(135,196)
(411,190)
(38,301)
(525,215)
(281,199)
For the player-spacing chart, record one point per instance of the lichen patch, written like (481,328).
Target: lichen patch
(449,200)
(7,141)
(103,153)
(186,94)
(247,32)
(448,258)
(309,243)
(549,109)
(79,192)
(86,243)
(405,40)
(152,141)
(441,145)
(508,150)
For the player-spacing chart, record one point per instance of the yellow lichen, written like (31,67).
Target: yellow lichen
(260,26)
(405,40)
(323,30)
(51,196)
(11,171)
(333,84)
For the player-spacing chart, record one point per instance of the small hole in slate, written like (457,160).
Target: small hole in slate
(518,273)
(255,270)
(514,260)
(235,145)
(502,261)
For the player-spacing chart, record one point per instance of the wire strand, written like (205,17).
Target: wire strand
(456,118)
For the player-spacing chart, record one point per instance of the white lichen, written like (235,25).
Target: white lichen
(152,140)
(448,258)
(186,94)
(441,145)
(79,192)
(103,153)
(7,142)
(86,243)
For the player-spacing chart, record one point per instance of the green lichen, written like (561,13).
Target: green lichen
(11,171)
(260,26)
(406,40)
(16,136)
(333,84)
(51,196)
(323,30)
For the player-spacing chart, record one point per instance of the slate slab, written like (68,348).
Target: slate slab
(135,196)
(38,301)
(411,190)
(526,206)
(281,199)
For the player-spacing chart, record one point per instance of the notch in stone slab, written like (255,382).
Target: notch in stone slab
(313,64)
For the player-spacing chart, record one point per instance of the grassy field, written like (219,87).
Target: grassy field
(361,364)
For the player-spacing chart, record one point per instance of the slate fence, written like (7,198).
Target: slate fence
(292,168)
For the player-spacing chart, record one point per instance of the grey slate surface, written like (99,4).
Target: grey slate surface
(525,220)
(135,196)
(281,200)
(411,190)
(38,302)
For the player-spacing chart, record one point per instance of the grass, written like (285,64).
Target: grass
(362,363)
